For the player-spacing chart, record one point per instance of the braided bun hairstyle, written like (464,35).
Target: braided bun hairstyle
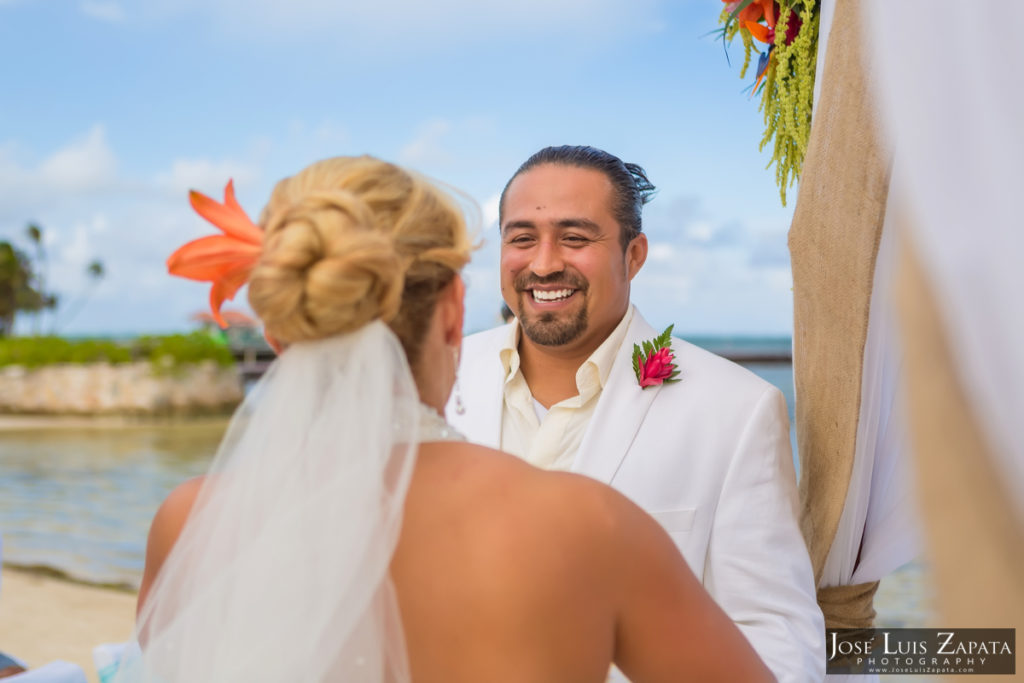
(349,240)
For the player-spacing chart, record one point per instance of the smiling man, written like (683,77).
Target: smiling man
(708,457)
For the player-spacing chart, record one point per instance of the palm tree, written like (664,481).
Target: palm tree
(95,271)
(17,290)
(35,235)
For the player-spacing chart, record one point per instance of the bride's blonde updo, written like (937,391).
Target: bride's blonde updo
(354,239)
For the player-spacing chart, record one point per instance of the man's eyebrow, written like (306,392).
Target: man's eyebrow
(581,223)
(513,225)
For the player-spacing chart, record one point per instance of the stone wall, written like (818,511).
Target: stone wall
(124,389)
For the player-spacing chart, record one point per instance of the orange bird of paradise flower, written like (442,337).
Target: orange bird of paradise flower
(754,11)
(225,260)
(749,17)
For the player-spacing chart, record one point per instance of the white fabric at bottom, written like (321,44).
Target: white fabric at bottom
(53,672)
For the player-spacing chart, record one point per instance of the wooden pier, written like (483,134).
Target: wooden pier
(253,359)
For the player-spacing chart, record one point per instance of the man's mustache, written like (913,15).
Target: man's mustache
(563,278)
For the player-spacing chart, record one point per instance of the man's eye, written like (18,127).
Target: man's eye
(522,239)
(576,239)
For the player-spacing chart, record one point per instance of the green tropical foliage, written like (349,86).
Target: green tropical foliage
(20,290)
(165,352)
(23,284)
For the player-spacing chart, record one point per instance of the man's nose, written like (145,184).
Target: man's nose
(547,259)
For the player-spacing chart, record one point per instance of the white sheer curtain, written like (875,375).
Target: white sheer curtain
(952,100)
(878,531)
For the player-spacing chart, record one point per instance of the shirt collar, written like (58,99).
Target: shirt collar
(509,351)
(604,355)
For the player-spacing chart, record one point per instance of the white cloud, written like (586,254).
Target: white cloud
(490,210)
(427,146)
(770,250)
(100,224)
(85,164)
(661,252)
(779,279)
(76,252)
(110,12)
(205,175)
(700,231)
(715,291)
(324,133)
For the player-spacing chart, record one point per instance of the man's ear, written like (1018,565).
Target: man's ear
(636,255)
(453,299)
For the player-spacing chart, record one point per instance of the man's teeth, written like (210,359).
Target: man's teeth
(555,295)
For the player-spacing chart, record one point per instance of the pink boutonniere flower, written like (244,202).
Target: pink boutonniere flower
(653,363)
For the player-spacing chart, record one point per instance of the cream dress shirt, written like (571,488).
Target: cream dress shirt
(551,439)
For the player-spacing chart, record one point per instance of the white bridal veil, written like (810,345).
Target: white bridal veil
(281,573)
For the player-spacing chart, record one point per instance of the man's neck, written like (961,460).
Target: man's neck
(550,371)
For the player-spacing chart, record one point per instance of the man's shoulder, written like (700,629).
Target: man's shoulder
(491,335)
(486,340)
(706,367)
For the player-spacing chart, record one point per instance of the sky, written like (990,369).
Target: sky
(111,110)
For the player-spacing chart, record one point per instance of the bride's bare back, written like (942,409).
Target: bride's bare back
(508,573)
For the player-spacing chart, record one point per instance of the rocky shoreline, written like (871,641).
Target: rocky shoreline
(130,389)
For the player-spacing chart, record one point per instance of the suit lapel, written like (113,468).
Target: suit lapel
(620,411)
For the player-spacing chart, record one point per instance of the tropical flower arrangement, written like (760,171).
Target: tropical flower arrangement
(785,34)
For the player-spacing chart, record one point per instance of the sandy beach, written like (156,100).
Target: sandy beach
(10,423)
(18,423)
(44,618)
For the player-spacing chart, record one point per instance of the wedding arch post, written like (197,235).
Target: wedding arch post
(834,243)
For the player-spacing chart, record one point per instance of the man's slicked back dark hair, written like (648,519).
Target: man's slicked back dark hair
(631,186)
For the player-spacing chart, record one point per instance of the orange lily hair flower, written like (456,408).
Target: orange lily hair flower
(225,260)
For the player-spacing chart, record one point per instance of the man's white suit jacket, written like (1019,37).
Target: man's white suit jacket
(709,457)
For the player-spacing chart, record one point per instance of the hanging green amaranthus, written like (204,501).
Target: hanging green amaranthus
(785,74)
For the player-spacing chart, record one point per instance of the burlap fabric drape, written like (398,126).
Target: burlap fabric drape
(833,245)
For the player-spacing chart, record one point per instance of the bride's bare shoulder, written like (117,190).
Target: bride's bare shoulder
(565,506)
(166,527)
(490,467)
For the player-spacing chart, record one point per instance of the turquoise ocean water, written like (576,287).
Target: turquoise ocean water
(79,500)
